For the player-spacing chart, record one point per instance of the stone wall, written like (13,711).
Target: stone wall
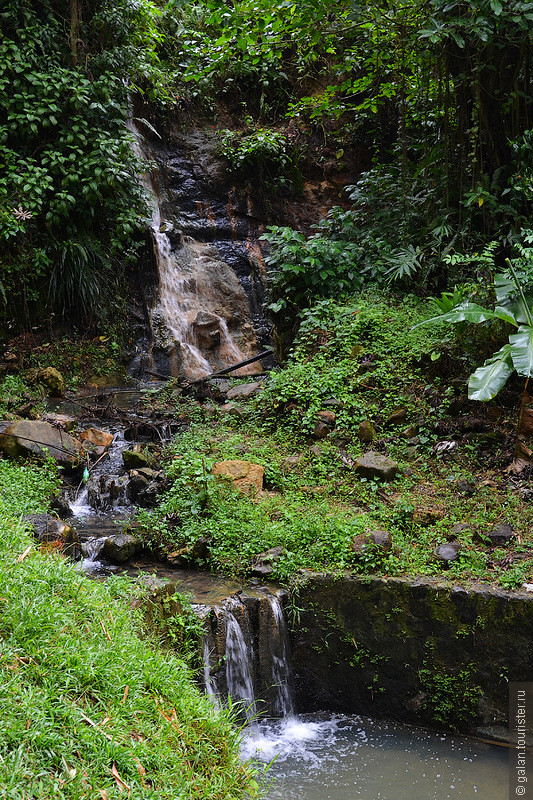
(422,651)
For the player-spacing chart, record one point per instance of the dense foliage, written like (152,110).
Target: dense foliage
(70,202)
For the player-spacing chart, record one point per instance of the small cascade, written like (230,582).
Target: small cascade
(248,636)
(238,672)
(106,487)
(91,550)
(282,700)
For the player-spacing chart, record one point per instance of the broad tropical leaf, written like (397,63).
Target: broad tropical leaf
(522,350)
(486,381)
(466,312)
(508,295)
(507,315)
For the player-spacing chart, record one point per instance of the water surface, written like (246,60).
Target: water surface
(335,757)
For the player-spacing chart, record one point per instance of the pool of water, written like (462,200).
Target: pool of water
(335,757)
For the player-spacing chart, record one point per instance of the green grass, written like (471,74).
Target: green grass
(85,702)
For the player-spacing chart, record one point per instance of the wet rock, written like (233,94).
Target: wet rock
(366,432)
(107,491)
(120,547)
(50,378)
(375,540)
(244,476)
(501,535)
(244,390)
(34,437)
(61,505)
(101,439)
(446,553)
(136,484)
(374,465)
(55,532)
(397,417)
(136,457)
(263,565)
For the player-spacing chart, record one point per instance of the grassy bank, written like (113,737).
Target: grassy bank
(88,707)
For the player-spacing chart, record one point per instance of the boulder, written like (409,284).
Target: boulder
(50,378)
(327,417)
(99,438)
(34,437)
(55,532)
(180,558)
(244,390)
(244,475)
(120,547)
(374,465)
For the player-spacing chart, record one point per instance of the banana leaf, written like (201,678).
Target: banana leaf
(486,381)
(522,350)
(465,312)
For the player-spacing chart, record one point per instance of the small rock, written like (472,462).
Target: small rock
(446,553)
(466,488)
(321,430)
(377,540)
(427,516)
(244,476)
(411,432)
(445,448)
(366,432)
(397,417)
(244,390)
(136,485)
(328,417)
(374,465)
(461,529)
(501,535)
(200,550)
(137,458)
(332,402)
(318,450)
(62,421)
(263,566)
(120,547)
(232,410)
(291,462)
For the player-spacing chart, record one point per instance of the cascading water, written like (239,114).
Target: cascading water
(238,672)
(282,703)
(199,296)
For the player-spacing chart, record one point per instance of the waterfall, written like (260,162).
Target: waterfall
(200,297)
(250,638)
(91,550)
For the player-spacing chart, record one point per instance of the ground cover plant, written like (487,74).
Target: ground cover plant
(88,707)
(349,359)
